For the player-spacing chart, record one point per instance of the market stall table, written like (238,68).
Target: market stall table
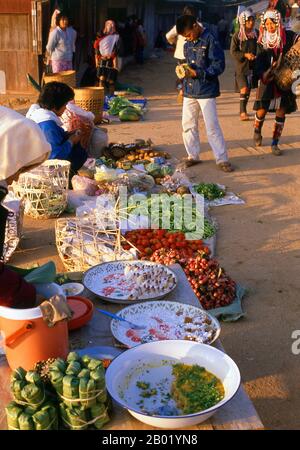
(238,414)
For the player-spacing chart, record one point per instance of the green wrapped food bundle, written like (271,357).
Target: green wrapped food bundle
(71,391)
(80,385)
(28,389)
(21,418)
(13,412)
(81,419)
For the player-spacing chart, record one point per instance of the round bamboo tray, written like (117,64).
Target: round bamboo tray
(68,77)
(91,99)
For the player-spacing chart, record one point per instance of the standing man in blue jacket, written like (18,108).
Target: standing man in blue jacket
(206,61)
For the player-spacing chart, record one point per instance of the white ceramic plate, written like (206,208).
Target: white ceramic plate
(107,280)
(165,321)
(152,363)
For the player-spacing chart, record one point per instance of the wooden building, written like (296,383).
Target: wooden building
(24,30)
(21,41)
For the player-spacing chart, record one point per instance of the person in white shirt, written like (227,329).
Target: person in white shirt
(176,39)
(61,44)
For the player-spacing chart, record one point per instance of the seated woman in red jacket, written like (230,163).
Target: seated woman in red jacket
(22,147)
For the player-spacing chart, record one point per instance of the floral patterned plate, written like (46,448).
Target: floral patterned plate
(109,281)
(165,320)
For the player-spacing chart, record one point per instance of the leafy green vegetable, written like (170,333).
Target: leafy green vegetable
(159,216)
(210,191)
(117,104)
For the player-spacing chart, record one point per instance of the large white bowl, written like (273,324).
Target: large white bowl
(123,372)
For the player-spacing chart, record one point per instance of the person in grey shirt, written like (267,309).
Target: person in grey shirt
(61,45)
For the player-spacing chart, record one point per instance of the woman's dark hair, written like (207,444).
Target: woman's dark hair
(59,17)
(190,10)
(185,23)
(55,95)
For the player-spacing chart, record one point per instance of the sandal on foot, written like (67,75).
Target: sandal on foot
(244,117)
(225,166)
(276,150)
(187,162)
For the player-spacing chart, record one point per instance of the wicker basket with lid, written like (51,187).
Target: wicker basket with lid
(91,99)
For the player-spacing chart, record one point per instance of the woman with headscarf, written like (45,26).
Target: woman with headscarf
(22,147)
(273,43)
(106,47)
(243,50)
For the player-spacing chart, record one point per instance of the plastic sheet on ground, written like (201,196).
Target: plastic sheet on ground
(233,312)
(229,199)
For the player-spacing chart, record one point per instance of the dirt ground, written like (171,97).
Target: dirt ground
(258,243)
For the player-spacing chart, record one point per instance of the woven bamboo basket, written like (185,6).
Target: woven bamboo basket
(68,77)
(91,99)
(81,245)
(45,189)
(291,62)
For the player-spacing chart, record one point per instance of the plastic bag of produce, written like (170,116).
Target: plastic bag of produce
(98,142)
(75,118)
(84,185)
(154,169)
(103,173)
(177,183)
(14,224)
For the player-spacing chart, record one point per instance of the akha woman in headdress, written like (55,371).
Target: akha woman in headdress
(273,43)
(106,47)
(243,50)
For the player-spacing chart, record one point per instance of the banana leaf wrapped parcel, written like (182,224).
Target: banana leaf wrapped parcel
(74,368)
(71,391)
(16,388)
(81,419)
(87,392)
(74,418)
(81,383)
(25,422)
(56,378)
(51,409)
(41,420)
(33,395)
(21,418)
(13,411)
(73,356)
(27,388)
(99,412)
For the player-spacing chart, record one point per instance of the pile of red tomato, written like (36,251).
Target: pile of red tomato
(148,241)
(212,286)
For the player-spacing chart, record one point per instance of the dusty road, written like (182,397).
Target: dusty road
(258,243)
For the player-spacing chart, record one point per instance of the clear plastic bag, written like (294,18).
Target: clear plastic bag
(85,185)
